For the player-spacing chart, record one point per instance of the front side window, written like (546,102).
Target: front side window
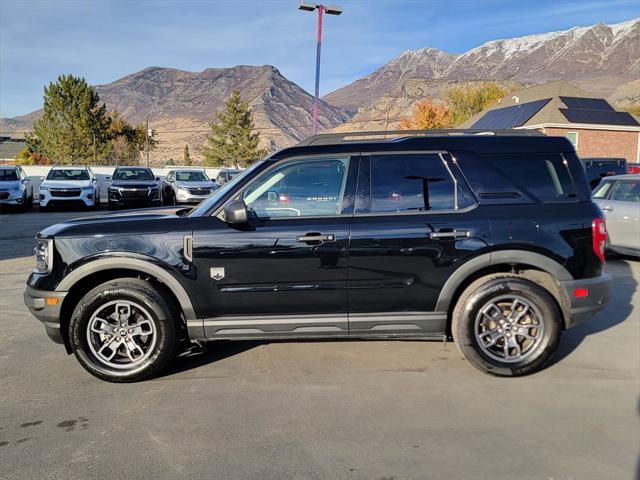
(133,174)
(412,182)
(300,188)
(627,192)
(71,174)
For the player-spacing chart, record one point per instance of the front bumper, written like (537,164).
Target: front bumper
(146,198)
(45,306)
(182,197)
(86,198)
(584,307)
(13,197)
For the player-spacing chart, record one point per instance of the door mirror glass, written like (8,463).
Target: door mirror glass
(299,188)
(236,212)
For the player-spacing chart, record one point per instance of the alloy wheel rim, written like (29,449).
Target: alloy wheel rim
(509,328)
(121,334)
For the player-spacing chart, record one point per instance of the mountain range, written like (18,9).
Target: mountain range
(603,59)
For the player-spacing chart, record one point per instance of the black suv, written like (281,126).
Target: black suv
(487,237)
(134,186)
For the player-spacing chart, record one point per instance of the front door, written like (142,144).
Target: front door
(284,273)
(414,224)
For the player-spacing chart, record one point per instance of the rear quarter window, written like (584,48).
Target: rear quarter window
(545,177)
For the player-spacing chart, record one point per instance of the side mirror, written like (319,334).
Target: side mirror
(157,179)
(107,178)
(236,212)
(42,179)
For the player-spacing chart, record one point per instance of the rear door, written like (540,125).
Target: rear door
(415,222)
(622,211)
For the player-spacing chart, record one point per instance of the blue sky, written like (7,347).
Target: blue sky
(105,40)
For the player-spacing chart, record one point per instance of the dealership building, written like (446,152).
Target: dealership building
(592,125)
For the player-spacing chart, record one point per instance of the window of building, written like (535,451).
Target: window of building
(573,138)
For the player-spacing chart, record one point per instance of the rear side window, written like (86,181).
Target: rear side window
(545,176)
(404,183)
(627,192)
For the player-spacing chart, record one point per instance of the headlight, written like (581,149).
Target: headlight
(44,255)
(43,187)
(88,188)
(17,187)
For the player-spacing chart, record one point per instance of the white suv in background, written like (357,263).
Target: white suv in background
(15,187)
(69,186)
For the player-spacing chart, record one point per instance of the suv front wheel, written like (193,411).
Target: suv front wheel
(506,325)
(123,331)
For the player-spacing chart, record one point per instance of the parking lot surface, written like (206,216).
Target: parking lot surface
(318,410)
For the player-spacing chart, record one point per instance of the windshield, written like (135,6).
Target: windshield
(215,197)
(133,174)
(8,175)
(68,174)
(192,177)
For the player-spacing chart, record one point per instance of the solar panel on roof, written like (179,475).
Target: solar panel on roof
(601,117)
(578,103)
(510,117)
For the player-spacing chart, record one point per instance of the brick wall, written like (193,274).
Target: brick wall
(602,143)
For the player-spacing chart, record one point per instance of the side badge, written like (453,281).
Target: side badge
(217,273)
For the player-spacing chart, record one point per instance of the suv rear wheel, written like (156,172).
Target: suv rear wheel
(506,325)
(123,331)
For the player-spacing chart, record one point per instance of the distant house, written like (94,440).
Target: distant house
(593,126)
(10,148)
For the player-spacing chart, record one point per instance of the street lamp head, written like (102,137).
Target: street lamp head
(333,10)
(309,7)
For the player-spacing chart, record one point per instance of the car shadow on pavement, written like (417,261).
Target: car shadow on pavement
(618,310)
(212,352)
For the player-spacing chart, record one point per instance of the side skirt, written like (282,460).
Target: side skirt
(430,325)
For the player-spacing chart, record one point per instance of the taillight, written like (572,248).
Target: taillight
(599,234)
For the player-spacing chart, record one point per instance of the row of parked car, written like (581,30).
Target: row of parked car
(126,187)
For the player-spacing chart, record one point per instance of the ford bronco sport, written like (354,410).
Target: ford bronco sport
(488,237)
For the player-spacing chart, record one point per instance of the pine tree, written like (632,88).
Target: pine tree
(187,157)
(232,142)
(74,126)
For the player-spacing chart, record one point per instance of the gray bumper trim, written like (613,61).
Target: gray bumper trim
(49,315)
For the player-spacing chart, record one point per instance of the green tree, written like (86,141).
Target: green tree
(232,141)
(74,126)
(467,101)
(126,141)
(187,157)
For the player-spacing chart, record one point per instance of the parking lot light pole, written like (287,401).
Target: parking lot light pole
(329,10)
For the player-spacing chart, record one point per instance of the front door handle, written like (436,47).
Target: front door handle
(316,237)
(607,209)
(451,234)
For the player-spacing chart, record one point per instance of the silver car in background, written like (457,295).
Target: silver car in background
(619,199)
(16,188)
(186,186)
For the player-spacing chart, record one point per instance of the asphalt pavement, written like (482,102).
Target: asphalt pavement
(318,410)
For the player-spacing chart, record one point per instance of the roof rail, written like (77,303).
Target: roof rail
(343,137)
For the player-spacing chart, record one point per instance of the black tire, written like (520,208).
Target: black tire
(25,205)
(496,287)
(139,293)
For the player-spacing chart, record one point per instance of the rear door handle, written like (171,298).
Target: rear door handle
(316,237)
(452,234)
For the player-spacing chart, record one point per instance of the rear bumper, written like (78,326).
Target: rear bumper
(47,312)
(583,308)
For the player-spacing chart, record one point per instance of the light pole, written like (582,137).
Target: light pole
(329,10)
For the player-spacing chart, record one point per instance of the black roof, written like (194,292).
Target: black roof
(506,141)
